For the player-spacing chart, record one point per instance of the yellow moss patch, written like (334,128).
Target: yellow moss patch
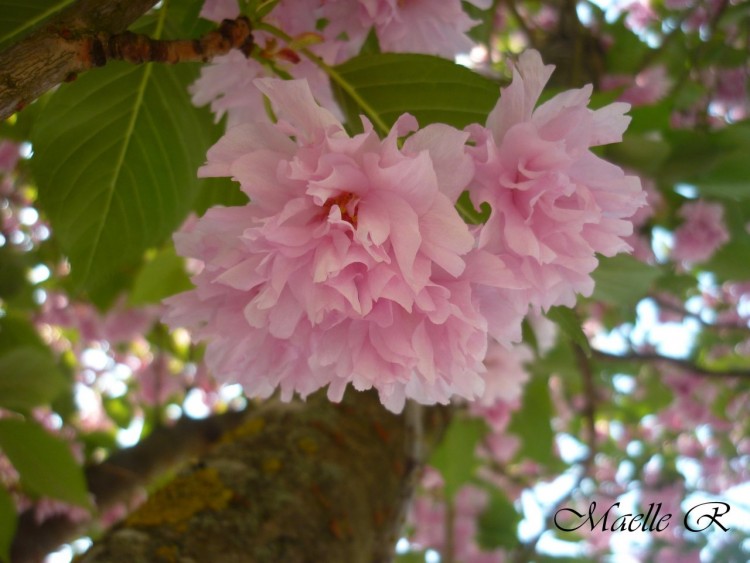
(167,553)
(271,464)
(308,445)
(249,428)
(182,498)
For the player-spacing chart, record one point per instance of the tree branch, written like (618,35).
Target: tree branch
(313,481)
(685,365)
(116,480)
(89,34)
(44,59)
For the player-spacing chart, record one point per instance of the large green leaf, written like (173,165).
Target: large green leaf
(531,423)
(18,17)
(29,377)
(16,331)
(8,521)
(430,88)
(44,462)
(116,154)
(730,262)
(570,325)
(455,456)
(162,276)
(498,523)
(623,280)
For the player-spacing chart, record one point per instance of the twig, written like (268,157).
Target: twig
(589,406)
(686,365)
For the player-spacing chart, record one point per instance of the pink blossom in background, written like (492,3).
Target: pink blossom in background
(554,203)
(702,232)
(648,87)
(218,10)
(227,82)
(405,26)
(120,324)
(9,155)
(428,516)
(651,85)
(157,383)
(351,264)
(640,14)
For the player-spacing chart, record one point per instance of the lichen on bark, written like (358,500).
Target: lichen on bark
(306,481)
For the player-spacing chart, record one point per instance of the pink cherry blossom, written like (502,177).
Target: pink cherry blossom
(9,155)
(702,232)
(350,264)
(413,26)
(506,374)
(429,516)
(227,82)
(554,203)
(649,86)
(218,10)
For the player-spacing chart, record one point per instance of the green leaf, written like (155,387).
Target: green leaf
(430,88)
(18,17)
(44,462)
(623,280)
(727,265)
(28,378)
(119,410)
(570,325)
(498,524)
(455,457)
(640,152)
(116,154)
(161,277)
(532,423)
(8,522)
(16,331)
(218,191)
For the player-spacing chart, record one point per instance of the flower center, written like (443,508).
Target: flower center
(345,204)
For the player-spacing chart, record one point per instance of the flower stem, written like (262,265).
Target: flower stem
(347,87)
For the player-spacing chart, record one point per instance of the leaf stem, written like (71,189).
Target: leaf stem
(371,113)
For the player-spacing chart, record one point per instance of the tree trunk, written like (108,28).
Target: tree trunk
(314,481)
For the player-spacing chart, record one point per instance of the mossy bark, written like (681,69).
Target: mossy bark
(299,482)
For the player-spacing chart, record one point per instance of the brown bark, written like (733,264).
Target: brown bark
(119,477)
(45,58)
(298,482)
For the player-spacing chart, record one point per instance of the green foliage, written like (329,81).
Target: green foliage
(454,457)
(160,277)
(430,88)
(29,378)
(117,154)
(17,332)
(531,423)
(8,518)
(44,462)
(623,280)
(18,17)
(498,523)
(570,325)
(714,161)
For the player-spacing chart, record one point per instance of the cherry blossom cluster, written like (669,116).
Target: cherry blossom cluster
(352,264)
(418,26)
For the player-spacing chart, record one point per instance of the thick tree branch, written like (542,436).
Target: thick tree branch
(44,58)
(84,37)
(313,481)
(119,477)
